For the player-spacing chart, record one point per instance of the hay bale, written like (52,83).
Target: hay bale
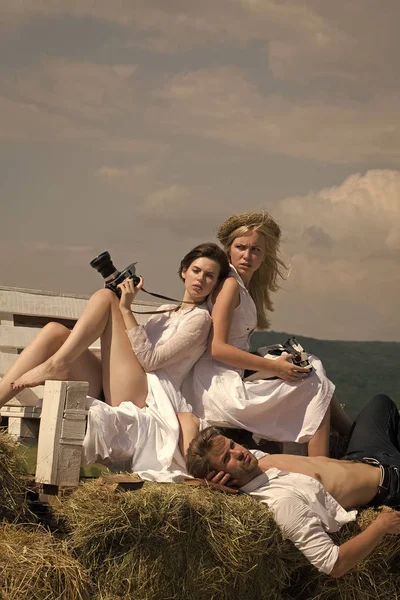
(177,542)
(13,505)
(34,566)
(170,541)
(377,576)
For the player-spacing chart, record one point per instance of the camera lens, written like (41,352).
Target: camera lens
(103,264)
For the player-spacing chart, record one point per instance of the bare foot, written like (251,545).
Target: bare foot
(38,375)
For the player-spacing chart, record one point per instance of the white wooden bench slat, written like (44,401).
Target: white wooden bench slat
(6,361)
(17,337)
(27,303)
(13,338)
(48,304)
(61,433)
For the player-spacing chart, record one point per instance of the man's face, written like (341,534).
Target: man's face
(232,458)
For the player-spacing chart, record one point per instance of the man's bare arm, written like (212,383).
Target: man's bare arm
(189,428)
(355,550)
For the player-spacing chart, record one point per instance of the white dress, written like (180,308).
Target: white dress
(273,409)
(167,346)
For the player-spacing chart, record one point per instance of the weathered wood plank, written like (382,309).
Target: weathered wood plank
(28,303)
(23,429)
(28,397)
(20,337)
(61,432)
(6,361)
(16,337)
(48,304)
(29,412)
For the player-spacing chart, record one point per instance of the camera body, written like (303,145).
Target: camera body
(292,346)
(298,356)
(112,277)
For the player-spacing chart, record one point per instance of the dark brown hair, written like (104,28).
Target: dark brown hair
(197,458)
(207,250)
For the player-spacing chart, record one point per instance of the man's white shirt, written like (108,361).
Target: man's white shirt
(304,511)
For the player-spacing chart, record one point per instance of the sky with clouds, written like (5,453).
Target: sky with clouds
(137,126)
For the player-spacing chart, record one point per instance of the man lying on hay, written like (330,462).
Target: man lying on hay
(310,496)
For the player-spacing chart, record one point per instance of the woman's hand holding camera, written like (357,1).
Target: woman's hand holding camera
(285,369)
(128,293)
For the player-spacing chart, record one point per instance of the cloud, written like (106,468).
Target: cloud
(27,122)
(81,89)
(303,40)
(136,180)
(189,211)
(346,288)
(62,101)
(221,104)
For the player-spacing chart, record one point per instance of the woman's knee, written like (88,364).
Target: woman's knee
(54,335)
(105,295)
(56,331)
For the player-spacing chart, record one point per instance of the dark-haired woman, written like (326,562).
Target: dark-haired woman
(137,363)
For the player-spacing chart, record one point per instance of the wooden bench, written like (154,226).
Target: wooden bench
(59,406)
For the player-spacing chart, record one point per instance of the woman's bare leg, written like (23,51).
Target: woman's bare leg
(319,443)
(88,329)
(122,373)
(46,343)
(339,420)
(123,377)
(335,416)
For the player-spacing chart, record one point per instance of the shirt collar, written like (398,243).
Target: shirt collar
(260,481)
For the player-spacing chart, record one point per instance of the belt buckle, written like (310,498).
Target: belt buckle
(371,461)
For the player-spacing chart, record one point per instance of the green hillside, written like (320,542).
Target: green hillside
(358,369)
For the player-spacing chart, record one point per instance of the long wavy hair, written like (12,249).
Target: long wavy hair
(267,278)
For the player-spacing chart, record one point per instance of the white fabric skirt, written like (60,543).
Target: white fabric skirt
(147,437)
(271,408)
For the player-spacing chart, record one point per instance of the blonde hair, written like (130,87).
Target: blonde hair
(266,279)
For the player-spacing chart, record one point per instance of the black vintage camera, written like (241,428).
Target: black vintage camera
(112,277)
(298,356)
(292,346)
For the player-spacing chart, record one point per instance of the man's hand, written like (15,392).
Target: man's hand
(389,521)
(221,478)
(358,547)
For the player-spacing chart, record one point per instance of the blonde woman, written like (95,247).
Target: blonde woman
(296,406)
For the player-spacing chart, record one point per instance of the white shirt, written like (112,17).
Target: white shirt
(172,341)
(304,511)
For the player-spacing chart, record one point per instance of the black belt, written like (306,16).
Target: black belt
(389,479)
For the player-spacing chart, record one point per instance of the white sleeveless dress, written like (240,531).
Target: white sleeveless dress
(273,409)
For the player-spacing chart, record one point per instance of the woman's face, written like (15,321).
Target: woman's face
(201,278)
(247,253)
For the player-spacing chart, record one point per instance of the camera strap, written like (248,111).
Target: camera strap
(155,312)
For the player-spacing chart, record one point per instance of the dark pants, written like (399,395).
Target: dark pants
(376,435)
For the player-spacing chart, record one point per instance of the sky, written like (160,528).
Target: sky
(138,126)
